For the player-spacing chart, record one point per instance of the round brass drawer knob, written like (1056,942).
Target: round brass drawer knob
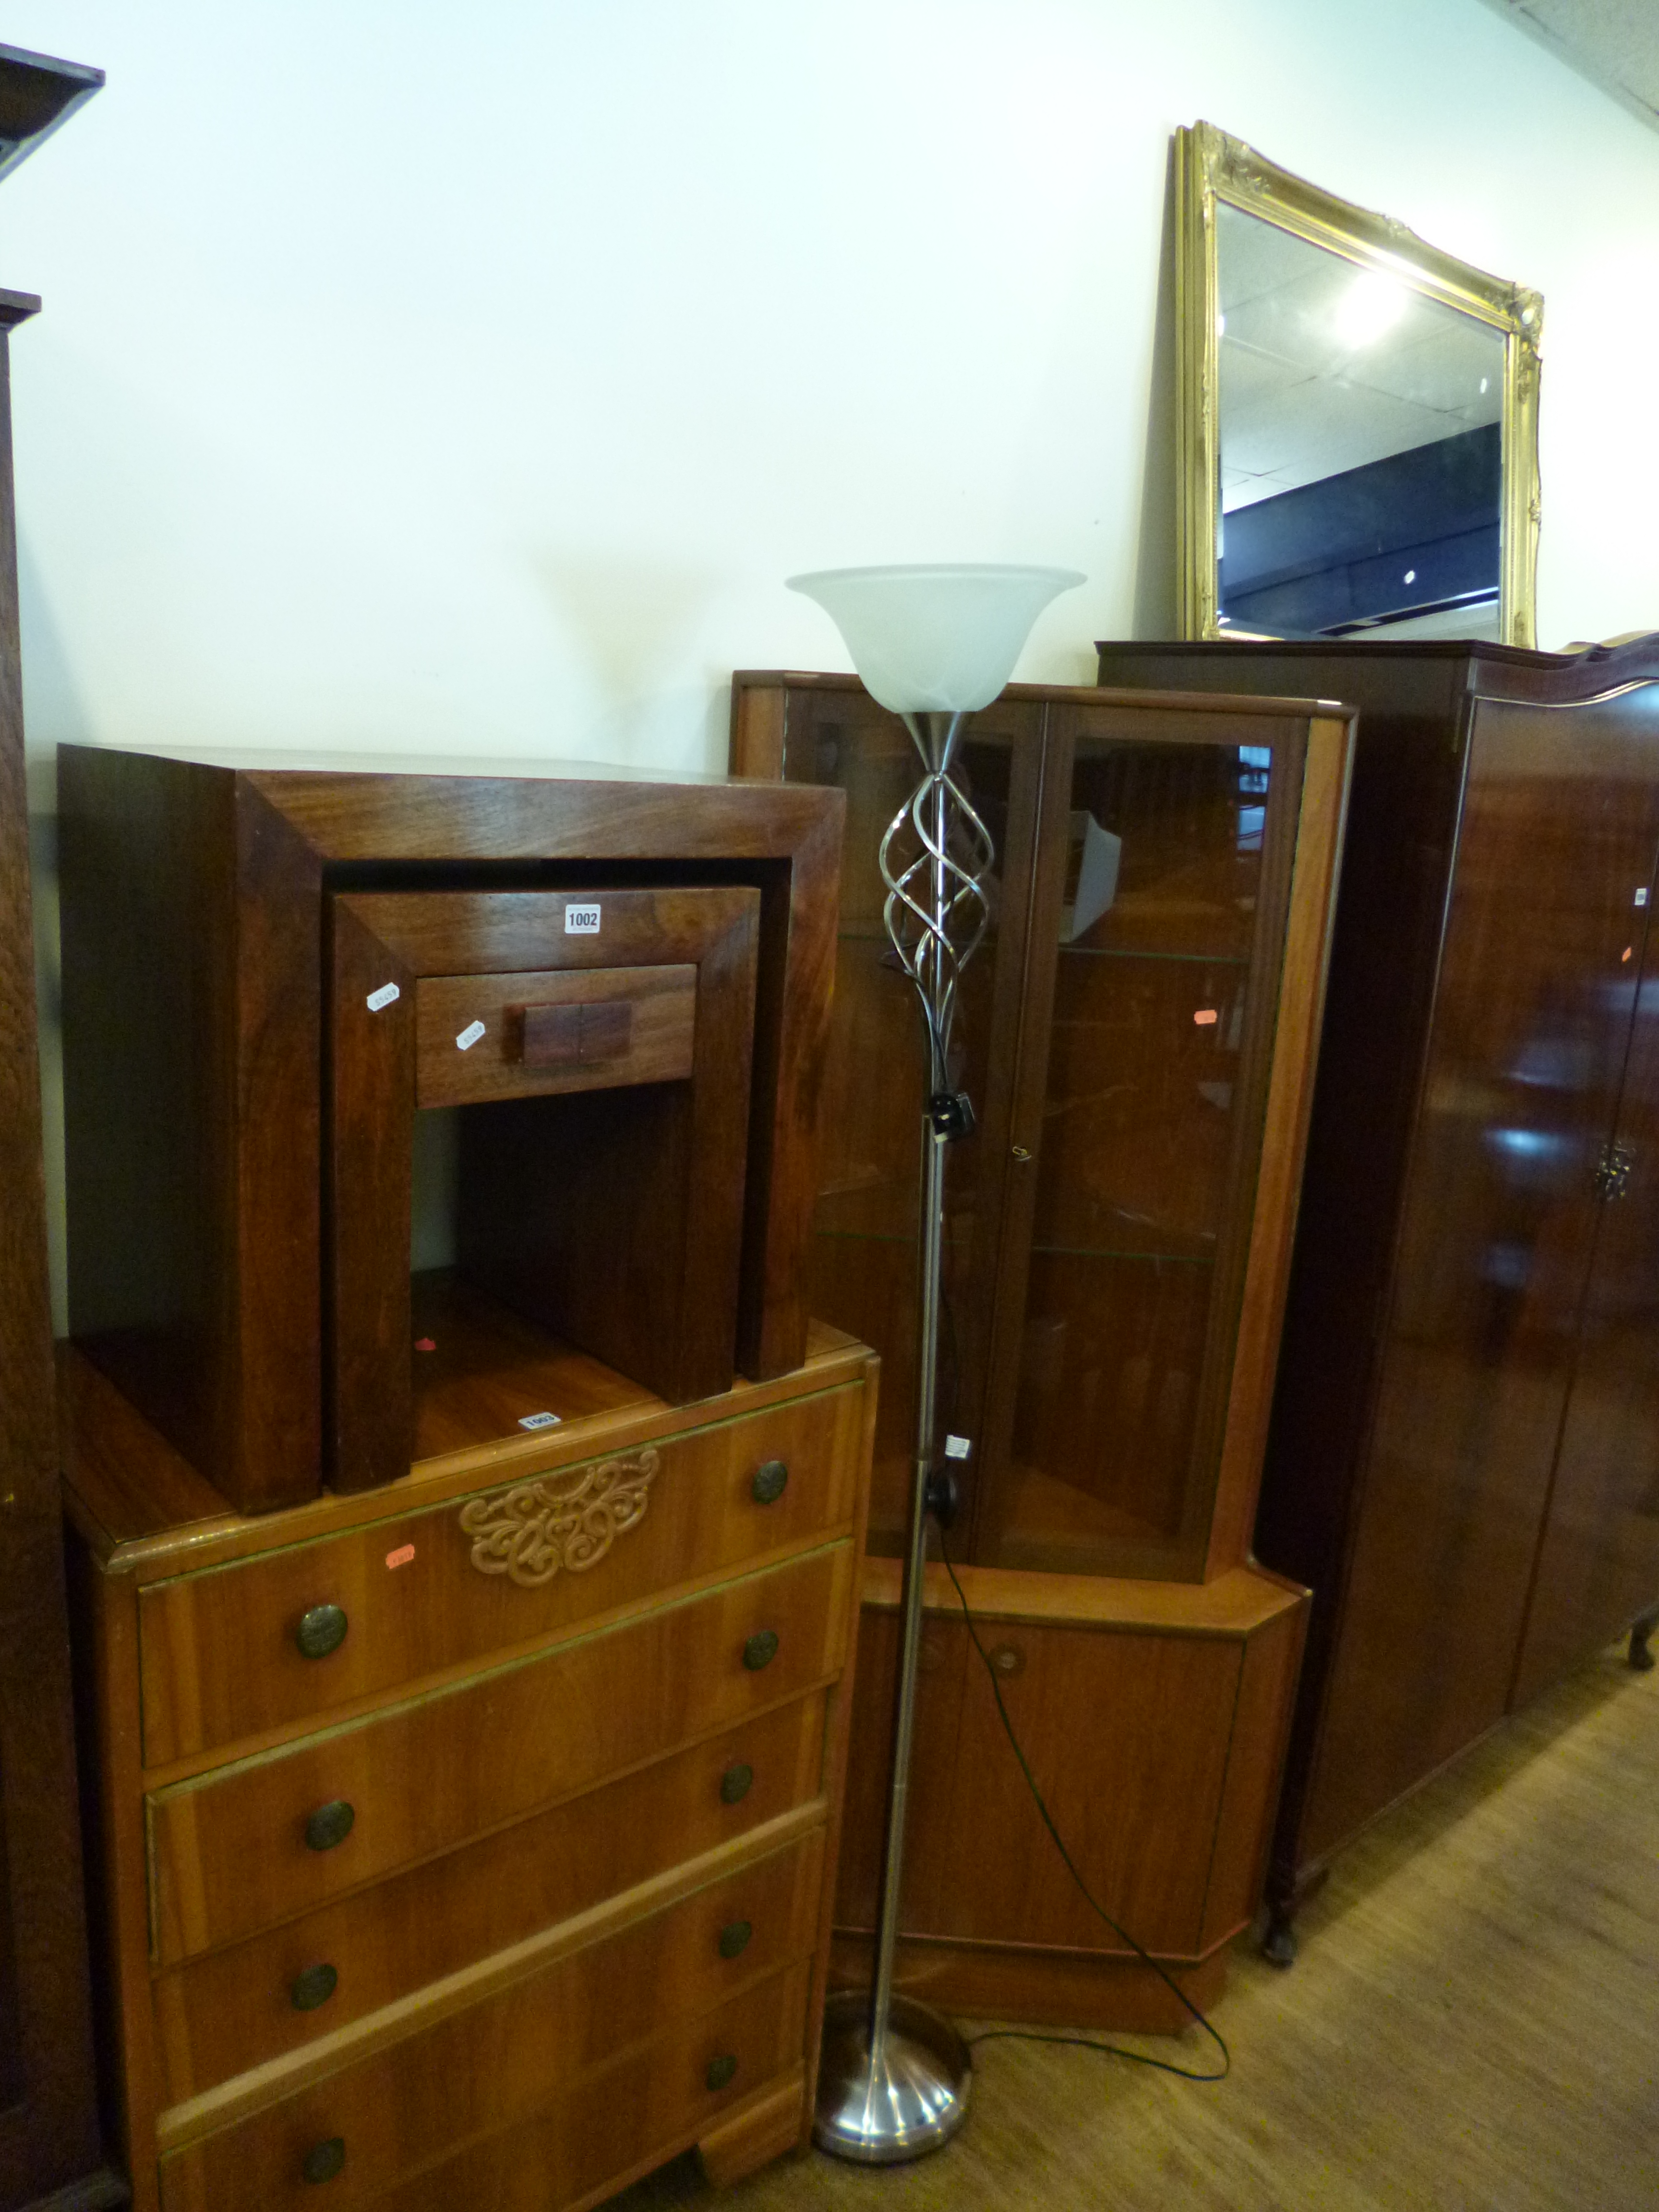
(735,1938)
(324,2159)
(321,1631)
(722,2070)
(734,1782)
(760,1649)
(771,1480)
(330,1825)
(314,1987)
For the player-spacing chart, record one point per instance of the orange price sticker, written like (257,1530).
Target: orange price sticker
(1205,1015)
(401,1557)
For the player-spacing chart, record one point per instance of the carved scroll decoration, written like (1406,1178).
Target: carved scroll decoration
(532,1531)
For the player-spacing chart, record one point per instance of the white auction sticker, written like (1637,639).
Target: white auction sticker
(383,997)
(538,1421)
(581,921)
(469,1037)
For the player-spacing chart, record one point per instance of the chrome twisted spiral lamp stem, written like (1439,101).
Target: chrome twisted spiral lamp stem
(932,645)
(935,940)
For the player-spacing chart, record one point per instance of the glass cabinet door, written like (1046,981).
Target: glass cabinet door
(863,1263)
(1117,1033)
(1157,931)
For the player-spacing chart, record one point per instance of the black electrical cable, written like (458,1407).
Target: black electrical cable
(1080,2042)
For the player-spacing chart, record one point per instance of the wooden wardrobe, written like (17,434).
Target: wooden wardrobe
(1464,1455)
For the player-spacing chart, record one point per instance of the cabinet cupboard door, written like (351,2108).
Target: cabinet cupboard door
(1158,920)
(1525,1061)
(1598,1563)
(1121,1029)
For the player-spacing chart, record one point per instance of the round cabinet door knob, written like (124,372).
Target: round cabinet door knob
(314,1987)
(321,1631)
(330,1825)
(721,2070)
(760,1649)
(735,1938)
(1008,1659)
(771,1480)
(324,2159)
(734,1782)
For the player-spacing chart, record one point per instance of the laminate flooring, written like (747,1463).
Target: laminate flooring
(1472,2024)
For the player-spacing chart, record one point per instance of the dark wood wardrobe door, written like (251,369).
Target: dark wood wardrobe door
(1525,1060)
(1598,1565)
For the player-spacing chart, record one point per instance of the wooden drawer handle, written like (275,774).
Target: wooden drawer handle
(760,1649)
(329,1824)
(530,1533)
(314,1987)
(734,1783)
(735,1938)
(770,1482)
(722,2070)
(321,1631)
(560,1034)
(324,2160)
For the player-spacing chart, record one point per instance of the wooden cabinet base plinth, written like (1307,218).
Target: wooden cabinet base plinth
(1049,1989)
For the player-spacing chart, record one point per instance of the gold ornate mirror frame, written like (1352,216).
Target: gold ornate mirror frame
(1209,167)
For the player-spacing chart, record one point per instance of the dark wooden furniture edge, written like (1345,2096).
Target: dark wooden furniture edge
(1497,672)
(48,2124)
(97,2192)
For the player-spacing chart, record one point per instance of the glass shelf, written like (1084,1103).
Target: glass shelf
(1146,952)
(1120,1252)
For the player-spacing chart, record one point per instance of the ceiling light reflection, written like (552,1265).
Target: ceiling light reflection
(1371,306)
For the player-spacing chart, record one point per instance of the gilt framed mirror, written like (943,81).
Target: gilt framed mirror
(1357,418)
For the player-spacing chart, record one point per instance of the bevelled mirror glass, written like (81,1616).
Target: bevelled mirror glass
(1357,418)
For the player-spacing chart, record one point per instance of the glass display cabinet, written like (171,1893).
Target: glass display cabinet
(1137,1033)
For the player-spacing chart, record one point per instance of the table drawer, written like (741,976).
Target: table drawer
(499,2062)
(247,1845)
(220,1652)
(218,2017)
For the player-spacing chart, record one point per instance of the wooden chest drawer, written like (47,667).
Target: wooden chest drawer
(221,1651)
(254,1843)
(494,2064)
(219,2015)
(626,2118)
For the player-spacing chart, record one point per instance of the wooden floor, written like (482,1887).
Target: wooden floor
(1472,2024)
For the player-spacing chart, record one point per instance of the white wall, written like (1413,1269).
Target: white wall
(420,377)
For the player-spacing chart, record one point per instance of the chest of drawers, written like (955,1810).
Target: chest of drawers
(466,1842)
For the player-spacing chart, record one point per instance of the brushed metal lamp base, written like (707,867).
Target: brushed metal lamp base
(911,2100)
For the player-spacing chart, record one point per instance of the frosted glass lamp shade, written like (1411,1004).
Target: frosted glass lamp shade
(939,640)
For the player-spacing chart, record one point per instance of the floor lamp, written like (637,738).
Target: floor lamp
(932,645)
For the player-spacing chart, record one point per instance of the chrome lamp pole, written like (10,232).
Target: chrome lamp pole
(932,645)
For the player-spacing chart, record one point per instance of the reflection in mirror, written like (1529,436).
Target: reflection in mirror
(1360,451)
(1359,418)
